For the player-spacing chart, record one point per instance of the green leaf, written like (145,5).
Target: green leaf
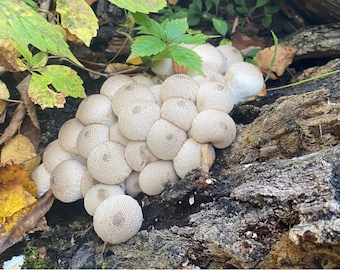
(196,6)
(271,9)
(220,26)
(242,10)
(186,57)
(32,4)
(25,26)
(176,28)
(142,6)
(188,39)
(216,3)
(148,26)
(230,9)
(147,46)
(208,5)
(267,20)
(78,17)
(240,2)
(276,43)
(260,3)
(253,52)
(193,20)
(39,60)
(162,55)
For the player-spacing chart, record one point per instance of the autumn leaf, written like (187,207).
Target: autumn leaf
(142,6)
(9,56)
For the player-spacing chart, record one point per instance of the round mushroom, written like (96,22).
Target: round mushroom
(68,135)
(87,181)
(41,178)
(113,83)
(144,80)
(117,224)
(132,184)
(164,67)
(156,90)
(209,76)
(117,136)
(231,55)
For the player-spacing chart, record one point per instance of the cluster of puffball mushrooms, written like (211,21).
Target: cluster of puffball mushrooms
(138,135)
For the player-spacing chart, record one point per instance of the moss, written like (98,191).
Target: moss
(36,258)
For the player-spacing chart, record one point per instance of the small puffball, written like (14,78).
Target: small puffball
(231,55)
(91,136)
(107,164)
(66,179)
(213,126)
(112,84)
(156,90)
(179,111)
(212,95)
(41,178)
(117,219)
(165,139)
(244,80)
(141,79)
(179,85)
(132,184)
(155,176)
(87,181)
(189,157)
(164,67)
(135,120)
(96,109)
(99,193)
(209,76)
(138,155)
(117,136)
(68,135)
(128,94)
(54,154)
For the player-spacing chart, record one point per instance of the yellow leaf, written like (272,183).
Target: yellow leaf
(135,61)
(4,93)
(20,150)
(9,56)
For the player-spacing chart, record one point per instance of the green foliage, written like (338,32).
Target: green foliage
(157,41)
(142,6)
(276,43)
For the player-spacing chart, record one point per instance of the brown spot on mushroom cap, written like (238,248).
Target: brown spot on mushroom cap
(138,155)
(41,178)
(244,80)
(117,224)
(213,126)
(179,85)
(213,95)
(96,109)
(113,83)
(117,136)
(107,164)
(154,177)
(87,181)
(132,184)
(90,136)
(165,139)
(188,157)
(99,193)
(66,179)
(136,119)
(68,135)
(231,55)
(54,154)
(128,94)
(179,111)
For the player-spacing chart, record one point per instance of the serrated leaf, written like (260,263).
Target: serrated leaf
(186,57)
(220,26)
(189,39)
(78,17)
(142,6)
(39,60)
(162,55)
(148,26)
(147,45)
(24,26)
(176,28)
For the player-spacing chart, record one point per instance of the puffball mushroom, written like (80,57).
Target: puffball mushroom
(41,178)
(189,158)
(155,176)
(113,83)
(68,135)
(96,109)
(212,95)
(140,79)
(66,179)
(213,126)
(156,90)
(132,184)
(165,139)
(244,80)
(209,76)
(107,164)
(136,119)
(116,135)
(164,67)
(117,219)
(231,55)
(99,193)
(87,181)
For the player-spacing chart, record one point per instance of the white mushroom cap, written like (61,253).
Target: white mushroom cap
(90,136)
(156,90)
(144,80)
(112,84)
(117,136)
(154,177)
(132,184)
(213,95)
(54,154)
(138,155)
(213,126)
(188,157)
(179,85)
(107,164)
(117,219)
(244,80)
(231,55)
(87,181)
(164,67)
(99,193)
(96,109)
(41,178)
(66,179)
(165,139)
(129,93)
(68,135)
(179,111)
(212,59)
(209,76)
(136,119)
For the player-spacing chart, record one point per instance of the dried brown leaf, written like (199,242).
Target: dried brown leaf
(9,56)
(120,68)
